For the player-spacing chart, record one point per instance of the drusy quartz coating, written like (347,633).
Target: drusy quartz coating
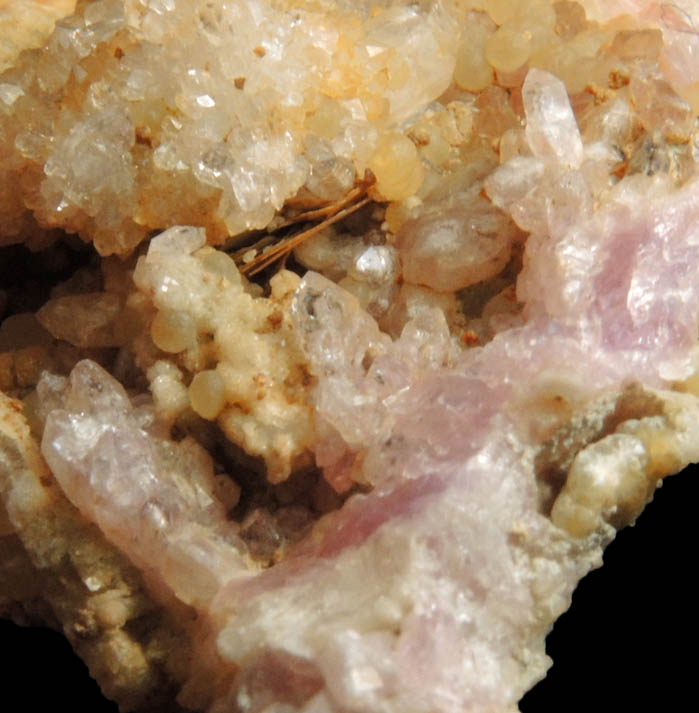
(380,322)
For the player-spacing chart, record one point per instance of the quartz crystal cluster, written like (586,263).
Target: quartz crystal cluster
(339,338)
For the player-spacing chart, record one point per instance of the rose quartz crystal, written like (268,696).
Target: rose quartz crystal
(101,451)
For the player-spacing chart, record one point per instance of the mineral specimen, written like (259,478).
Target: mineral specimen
(380,321)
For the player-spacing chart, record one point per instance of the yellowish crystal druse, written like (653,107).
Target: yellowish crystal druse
(245,368)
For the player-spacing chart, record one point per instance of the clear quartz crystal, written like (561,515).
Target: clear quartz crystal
(552,131)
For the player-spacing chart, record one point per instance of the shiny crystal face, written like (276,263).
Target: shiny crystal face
(338,338)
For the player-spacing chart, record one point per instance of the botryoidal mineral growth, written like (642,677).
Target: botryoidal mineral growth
(343,336)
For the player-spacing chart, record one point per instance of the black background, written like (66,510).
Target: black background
(627,644)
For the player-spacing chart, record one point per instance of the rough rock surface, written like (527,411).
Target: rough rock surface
(369,480)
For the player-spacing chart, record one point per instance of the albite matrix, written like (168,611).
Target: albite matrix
(339,338)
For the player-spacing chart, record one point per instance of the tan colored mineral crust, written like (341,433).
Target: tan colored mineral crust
(369,479)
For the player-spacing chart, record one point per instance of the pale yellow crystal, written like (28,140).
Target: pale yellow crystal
(507,49)
(207,394)
(325,120)
(472,72)
(397,168)
(173,331)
